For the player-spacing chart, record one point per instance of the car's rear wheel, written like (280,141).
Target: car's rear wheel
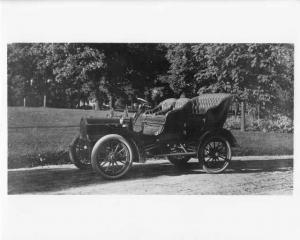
(112,156)
(79,153)
(180,161)
(215,154)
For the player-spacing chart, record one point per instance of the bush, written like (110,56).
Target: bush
(41,159)
(120,103)
(277,123)
(233,123)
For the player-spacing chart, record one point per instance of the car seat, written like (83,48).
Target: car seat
(155,124)
(163,107)
(153,118)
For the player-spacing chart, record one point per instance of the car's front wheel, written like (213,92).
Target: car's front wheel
(112,156)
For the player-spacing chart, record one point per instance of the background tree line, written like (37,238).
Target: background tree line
(115,74)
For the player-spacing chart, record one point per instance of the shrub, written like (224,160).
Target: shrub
(41,159)
(277,123)
(233,123)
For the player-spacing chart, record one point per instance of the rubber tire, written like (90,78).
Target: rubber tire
(179,162)
(97,147)
(73,156)
(201,149)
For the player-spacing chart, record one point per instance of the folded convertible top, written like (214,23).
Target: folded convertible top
(201,104)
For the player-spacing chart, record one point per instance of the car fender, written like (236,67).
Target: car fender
(138,156)
(220,132)
(136,149)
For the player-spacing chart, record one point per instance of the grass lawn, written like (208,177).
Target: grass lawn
(259,143)
(20,116)
(37,146)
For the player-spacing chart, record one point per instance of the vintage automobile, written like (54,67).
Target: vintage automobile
(179,129)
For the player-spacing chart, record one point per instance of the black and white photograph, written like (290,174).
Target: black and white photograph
(153,119)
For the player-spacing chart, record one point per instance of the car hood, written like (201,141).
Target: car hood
(101,121)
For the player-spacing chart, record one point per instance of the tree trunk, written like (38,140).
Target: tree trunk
(97,100)
(126,111)
(243,117)
(45,101)
(236,110)
(97,107)
(111,101)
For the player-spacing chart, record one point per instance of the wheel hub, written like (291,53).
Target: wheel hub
(111,157)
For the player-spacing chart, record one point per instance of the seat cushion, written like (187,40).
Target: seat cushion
(153,124)
(166,104)
(181,102)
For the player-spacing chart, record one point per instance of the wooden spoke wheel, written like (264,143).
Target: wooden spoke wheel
(215,154)
(112,156)
(79,153)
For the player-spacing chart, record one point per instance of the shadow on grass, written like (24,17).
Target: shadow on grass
(55,179)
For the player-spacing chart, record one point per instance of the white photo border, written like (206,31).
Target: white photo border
(148,216)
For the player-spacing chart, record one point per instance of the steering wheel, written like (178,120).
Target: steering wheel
(144,104)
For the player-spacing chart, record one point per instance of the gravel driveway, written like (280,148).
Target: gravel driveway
(247,176)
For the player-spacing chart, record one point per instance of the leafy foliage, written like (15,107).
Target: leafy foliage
(70,73)
(277,123)
(256,73)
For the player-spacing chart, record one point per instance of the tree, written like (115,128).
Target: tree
(22,73)
(182,69)
(131,69)
(80,72)
(70,73)
(257,73)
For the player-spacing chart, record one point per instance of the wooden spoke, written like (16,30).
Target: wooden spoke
(223,157)
(206,148)
(206,153)
(221,148)
(116,148)
(102,163)
(119,152)
(107,167)
(121,161)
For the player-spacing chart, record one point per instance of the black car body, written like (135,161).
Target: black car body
(178,129)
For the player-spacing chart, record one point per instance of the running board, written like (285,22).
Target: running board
(177,154)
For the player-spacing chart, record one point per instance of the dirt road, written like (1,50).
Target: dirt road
(250,176)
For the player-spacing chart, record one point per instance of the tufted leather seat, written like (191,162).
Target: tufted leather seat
(163,107)
(154,124)
(181,102)
(168,103)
